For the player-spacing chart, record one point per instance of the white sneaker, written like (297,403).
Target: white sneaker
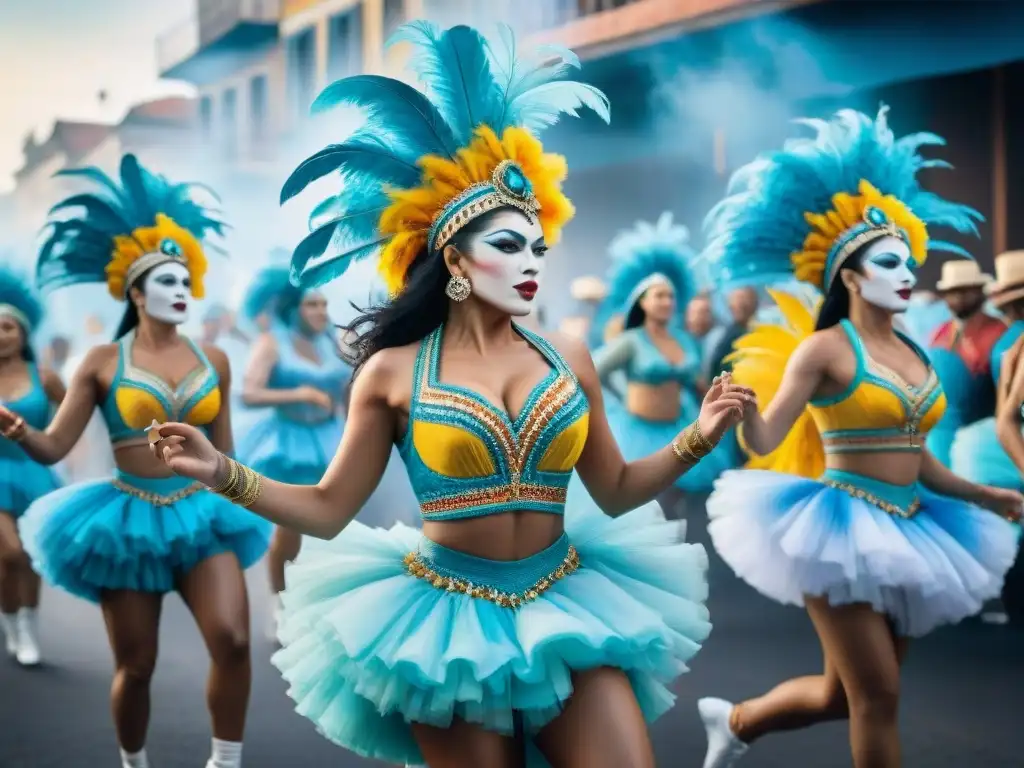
(724,748)
(28,642)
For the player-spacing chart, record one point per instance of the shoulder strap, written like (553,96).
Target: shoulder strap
(422,371)
(859,351)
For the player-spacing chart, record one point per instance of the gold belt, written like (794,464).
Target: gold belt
(156,499)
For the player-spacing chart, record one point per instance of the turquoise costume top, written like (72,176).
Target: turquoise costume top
(328,374)
(1002,346)
(467,457)
(138,396)
(34,407)
(634,353)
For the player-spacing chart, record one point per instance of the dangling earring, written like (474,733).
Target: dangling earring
(458,288)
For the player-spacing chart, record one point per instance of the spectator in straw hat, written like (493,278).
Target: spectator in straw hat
(960,350)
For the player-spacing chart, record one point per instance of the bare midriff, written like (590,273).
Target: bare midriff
(654,402)
(137,459)
(895,467)
(508,536)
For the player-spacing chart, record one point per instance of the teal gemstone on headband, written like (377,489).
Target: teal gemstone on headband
(875,216)
(170,248)
(516,182)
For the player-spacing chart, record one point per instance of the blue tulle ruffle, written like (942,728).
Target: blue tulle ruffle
(978,456)
(638,438)
(367,647)
(95,536)
(22,481)
(288,450)
(789,537)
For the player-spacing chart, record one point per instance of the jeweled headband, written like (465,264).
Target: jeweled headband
(168,252)
(875,226)
(508,188)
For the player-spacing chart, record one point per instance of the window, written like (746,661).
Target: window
(301,55)
(345,45)
(258,107)
(206,116)
(229,117)
(394,15)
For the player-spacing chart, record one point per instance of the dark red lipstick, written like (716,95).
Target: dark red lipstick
(527,289)
(904,294)
(179,306)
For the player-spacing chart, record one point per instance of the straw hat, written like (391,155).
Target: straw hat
(1009,283)
(589,288)
(962,273)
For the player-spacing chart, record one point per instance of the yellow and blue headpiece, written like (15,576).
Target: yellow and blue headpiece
(121,230)
(804,210)
(425,164)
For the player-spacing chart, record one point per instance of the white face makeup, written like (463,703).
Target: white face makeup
(505,262)
(888,279)
(167,291)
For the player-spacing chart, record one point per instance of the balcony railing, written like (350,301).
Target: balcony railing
(213,22)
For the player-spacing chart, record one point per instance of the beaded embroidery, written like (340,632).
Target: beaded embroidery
(870,498)
(514,443)
(417,567)
(156,499)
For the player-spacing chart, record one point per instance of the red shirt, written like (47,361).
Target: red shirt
(972,339)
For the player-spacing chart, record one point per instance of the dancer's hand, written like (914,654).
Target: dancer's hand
(723,407)
(12,426)
(187,451)
(1003,502)
(314,396)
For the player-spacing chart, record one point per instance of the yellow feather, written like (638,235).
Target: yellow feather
(127,250)
(759,362)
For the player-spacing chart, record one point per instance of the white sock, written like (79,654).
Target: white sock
(9,624)
(225,754)
(134,759)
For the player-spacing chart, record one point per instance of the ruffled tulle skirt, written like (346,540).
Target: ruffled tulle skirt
(384,627)
(638,438)
(22,481)
(978,456)
(844,537)
(290,451)
(135,533)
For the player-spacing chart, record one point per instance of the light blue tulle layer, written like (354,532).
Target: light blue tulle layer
(789,537)
(22,481)
(91,537)
(638,438)
(978,456)
(290,451)
(368,648)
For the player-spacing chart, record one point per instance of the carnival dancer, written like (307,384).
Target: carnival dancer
(650,277)
(887,543)
(510,614)
(30,392)
(960,350)
(977,452)
(125,542)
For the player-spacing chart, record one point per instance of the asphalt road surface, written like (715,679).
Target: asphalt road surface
(963,693)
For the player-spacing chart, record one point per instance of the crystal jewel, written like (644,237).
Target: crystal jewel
(875,216)
(170,248)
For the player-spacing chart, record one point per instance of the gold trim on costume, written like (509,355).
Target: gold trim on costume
(156,499)
(418,568)
(870,498)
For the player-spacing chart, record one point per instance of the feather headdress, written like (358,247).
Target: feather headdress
(266,291)
(806,208)
(426,163)
(648,253)
(19,300)
(121,230)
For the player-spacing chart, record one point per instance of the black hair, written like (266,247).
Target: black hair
(636,316)
(836,305)
(130,318)
(418,310)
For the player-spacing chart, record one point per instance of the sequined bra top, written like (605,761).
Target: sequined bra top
(879,411)
(33,406)
(633,352)
(328,373)
(137,396)
(468,458)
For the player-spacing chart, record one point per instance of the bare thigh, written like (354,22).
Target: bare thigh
(463,745)
(601,727)
(10,541)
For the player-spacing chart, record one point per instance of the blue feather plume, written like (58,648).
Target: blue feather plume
(752,232)
(645,250)
(17,291)
(467,83)
(78,239)
(265,291)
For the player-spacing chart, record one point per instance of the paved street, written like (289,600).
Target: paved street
(963,693)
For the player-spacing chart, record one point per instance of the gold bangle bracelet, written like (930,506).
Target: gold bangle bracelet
(683,454)
(706,444)
(242,486)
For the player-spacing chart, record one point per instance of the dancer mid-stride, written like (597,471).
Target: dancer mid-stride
(512,623)
(125,542)
(30,392)
(887,543)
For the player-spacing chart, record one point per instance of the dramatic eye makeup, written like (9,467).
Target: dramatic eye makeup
(540,247)
(168,280)
(887,261)
(506,241)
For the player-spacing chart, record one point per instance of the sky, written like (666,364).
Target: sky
(57,55)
